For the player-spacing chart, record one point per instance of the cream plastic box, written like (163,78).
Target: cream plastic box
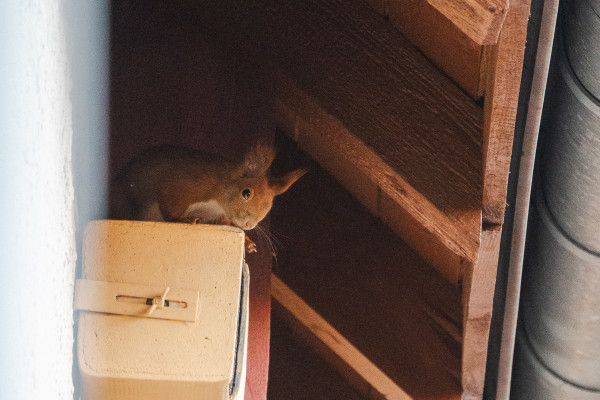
(135,342)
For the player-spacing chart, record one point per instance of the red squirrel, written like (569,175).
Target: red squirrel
(177,184)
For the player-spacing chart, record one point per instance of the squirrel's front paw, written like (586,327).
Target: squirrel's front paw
(250,245)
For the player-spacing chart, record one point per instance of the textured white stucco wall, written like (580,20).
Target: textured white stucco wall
(37,243)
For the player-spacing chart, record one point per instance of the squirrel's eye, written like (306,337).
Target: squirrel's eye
(246,193)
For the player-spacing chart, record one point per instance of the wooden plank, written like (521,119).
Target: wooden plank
(370,286)
(297,372)
(481,20)
(500,113)
(351,363)
(484,66)
(501,109)
(446,46)
(445,239)
(478,297)
(502,95)
(308,133)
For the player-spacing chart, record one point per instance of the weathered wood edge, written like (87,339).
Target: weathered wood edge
(478,296)
(481,20)
(331,345)
(500,110)
(479,278)
(446,46)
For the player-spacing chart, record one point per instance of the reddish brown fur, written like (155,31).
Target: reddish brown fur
(174,178)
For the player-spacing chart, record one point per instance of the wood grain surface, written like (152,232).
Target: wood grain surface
(446,240)
(502,99)
(446,46)
(414,134)
(370,286)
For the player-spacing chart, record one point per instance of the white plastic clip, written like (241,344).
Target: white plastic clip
(131,299)
(158,301)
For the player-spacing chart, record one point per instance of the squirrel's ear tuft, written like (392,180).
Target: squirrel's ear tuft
(280,185)
(258,160)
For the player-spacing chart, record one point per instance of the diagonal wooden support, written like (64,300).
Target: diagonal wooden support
(331,345)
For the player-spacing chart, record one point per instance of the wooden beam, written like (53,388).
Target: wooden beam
(478,297)
(481,20)
(367,283)
(330,344)
(500,110)
(500,113)
(446,46)
(446,240)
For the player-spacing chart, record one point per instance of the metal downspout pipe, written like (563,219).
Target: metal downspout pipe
(557,354)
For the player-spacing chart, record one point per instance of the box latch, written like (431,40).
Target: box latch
(137,300)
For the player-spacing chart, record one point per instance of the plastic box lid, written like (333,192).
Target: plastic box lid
(131,357)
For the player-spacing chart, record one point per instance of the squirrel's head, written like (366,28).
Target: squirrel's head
(250,192)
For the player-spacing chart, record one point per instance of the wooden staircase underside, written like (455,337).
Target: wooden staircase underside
(387,97)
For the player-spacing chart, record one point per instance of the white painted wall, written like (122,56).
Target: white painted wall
(37,222)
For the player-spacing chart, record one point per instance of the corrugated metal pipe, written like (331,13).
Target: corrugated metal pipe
(557,355)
